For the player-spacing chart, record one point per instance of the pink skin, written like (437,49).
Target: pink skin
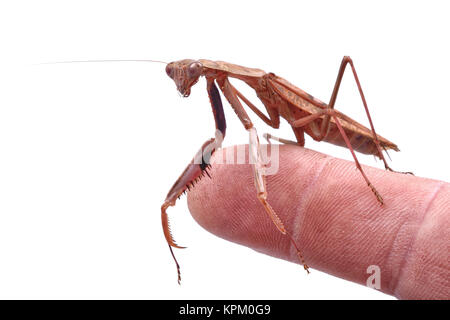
(339,226)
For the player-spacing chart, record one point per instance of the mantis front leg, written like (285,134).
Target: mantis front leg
(196,168)
(257,162)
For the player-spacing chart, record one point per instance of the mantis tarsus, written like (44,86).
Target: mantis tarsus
(305,113)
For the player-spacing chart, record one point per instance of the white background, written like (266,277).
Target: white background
(89,151)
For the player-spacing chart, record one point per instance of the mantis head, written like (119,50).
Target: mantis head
(185,73)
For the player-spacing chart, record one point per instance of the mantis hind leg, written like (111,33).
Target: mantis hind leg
(325,124)
(317,136)
(260,184)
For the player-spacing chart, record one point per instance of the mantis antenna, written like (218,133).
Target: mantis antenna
(120,60)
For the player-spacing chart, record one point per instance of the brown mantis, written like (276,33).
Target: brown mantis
(302,111)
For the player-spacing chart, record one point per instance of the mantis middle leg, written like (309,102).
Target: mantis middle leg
(256,160)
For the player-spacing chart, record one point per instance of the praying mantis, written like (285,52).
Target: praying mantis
(305,114)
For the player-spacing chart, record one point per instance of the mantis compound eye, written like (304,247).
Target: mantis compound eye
(195,69)
(169,70)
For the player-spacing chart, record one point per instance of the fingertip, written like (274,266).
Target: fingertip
(333,216)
